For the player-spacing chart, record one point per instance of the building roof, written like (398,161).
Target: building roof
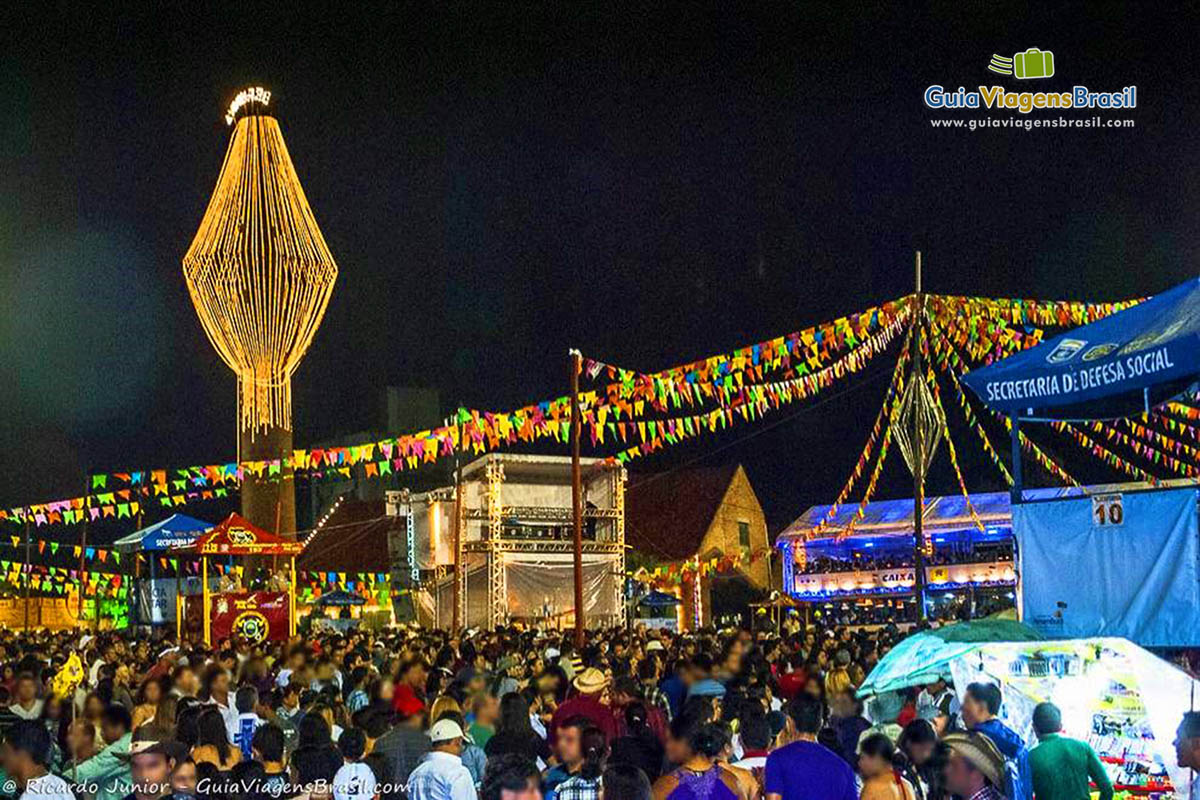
(667,514)
(353,539)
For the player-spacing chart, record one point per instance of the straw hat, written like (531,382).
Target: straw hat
(590,681)
(981,752)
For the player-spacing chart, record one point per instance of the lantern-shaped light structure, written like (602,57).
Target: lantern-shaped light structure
(259,271)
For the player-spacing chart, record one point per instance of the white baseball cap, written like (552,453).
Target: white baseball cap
(445,730)
(653,644)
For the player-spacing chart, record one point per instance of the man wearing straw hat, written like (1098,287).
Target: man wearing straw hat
(589,685)
(975,770)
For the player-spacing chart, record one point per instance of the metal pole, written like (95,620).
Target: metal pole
(577,493)
(918,459)
(28,569)
(87,516)
(1014,495)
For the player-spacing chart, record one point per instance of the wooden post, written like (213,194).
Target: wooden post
(918,459)
(292,602)
(577,493)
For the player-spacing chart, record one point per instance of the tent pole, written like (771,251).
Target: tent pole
(1015,492)
(292,602)
(28,569)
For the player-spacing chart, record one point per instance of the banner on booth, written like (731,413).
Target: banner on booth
(253,617)
(1112,565)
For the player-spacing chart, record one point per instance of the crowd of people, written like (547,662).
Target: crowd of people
(818,564)
(413,714)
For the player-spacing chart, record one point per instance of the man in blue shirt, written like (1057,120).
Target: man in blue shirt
(979,709)
(805,769)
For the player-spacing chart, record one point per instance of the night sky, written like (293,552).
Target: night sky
(499,185)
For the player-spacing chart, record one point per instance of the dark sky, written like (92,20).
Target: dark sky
(500,184)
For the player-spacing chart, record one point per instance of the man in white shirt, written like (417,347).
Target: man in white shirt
(25,754)
(442,775)
(26,704)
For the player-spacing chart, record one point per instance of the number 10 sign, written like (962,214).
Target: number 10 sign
(1108,510)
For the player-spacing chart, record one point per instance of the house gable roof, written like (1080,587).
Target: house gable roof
(668,514)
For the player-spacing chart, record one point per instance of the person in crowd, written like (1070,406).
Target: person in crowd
(569,751)
(149,695)
(624,782)
(700,775)
(639,746)
(25,757)
(26,704)
(267,747)
(354,780)
(847,721)
(755,732)
(511,776)
(212,742)
(589,684)
(409,696)
(152,756)
(805,769)
(1062,768)
(514,732)
(584,783)
(248,721)
(1187,748)
(979,710)
(881,779)
(441,774)
(485,711)
(404,745)
(975,769)
(915,750)
(109,768)
(937,704)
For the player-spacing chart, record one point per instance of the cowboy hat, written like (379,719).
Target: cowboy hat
(981,752)
(590,681)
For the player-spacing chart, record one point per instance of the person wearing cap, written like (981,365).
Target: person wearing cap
(649,671)
(152,757)
(25,755)
(936,702)
(1062,767)
(975,770)
(441,775)
(589,686)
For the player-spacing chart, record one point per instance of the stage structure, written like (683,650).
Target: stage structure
(516,544)
(260,275)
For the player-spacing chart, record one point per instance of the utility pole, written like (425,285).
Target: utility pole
(87,516)
(28,569)
(577,493)
(918,455)
(456,625)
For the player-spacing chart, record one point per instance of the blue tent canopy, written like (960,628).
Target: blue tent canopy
(1115,367)
(177,530)
(659,599)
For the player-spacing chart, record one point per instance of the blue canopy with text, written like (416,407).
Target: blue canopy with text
(1117,366)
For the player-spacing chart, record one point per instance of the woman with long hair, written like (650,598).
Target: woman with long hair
(212,742)
(149,693)
(881,779)
(514,732)
(700,776)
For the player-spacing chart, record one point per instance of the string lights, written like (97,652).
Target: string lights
(259,271)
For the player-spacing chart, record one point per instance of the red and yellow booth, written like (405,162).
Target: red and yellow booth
(255,616)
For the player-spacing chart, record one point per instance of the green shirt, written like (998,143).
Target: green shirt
(480,734)
(1061,769)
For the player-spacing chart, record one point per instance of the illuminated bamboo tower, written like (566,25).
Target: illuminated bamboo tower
(260,276)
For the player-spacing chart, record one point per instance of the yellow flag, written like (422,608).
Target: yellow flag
(66,679)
